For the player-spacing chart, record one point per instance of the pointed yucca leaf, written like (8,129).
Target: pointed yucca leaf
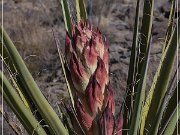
(74,121)
(23,88)
(17,84)
(176,131)
(170,23)
(49,115)
(131,72)
(22,112)
(60,114)
(160,82)
(30,103)
(63,63)
(170,108)
(23,93)
(16,129)
(11,70)
(173,121)
(65,68)
(20,92)
(14,82)
(81,10)
(158,118)
(6,59)
(64,71)
(64,115)
(145,34)
(67,16)
(140,97)
(174,79)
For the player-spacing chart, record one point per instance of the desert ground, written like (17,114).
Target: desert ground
(30,22)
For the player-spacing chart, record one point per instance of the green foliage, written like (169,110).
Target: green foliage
(157,113)
(81,10)
(140,97)
(170,24)
(67,16)
(131,73)
(172,123)
(22,112)
(48,114)
(161,81)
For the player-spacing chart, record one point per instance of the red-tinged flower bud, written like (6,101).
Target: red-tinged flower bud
(94,97)
(107,122)
(120,122)
(84,118)
(88,58)
(101,74)
(110,99)
(79,76)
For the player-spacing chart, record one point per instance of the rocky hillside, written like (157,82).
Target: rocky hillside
(30,23)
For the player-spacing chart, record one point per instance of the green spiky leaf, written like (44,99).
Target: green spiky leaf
(49,115)
(81,10)
(22,112)
(170,23)
(140,97)
(173,121)
(145,34)
(161,81)
(67,16)
(131,72)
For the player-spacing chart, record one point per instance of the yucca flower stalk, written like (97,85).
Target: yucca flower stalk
(86,70)
(87,56)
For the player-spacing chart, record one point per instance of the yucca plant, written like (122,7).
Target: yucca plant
(87,60)
(85,64)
